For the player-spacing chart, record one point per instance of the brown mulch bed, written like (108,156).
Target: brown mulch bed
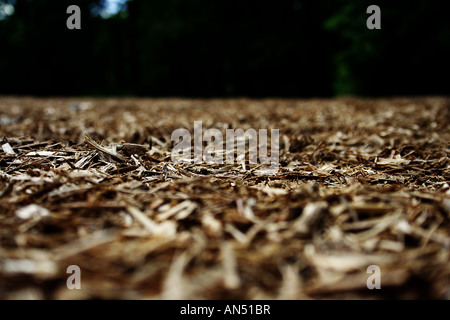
(90,182)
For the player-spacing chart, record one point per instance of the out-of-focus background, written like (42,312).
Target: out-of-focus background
(206,48)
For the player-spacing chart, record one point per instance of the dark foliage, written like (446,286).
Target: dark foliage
(226,48)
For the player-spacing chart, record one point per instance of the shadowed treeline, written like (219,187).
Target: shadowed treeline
(226,48)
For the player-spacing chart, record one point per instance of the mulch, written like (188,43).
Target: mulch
(90,182)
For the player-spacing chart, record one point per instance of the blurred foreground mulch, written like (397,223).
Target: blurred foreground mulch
(90,182)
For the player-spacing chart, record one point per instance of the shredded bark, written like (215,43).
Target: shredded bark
(361,182)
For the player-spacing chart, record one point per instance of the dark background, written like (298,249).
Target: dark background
(226,48)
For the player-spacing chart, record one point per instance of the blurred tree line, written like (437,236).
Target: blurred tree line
(204,48)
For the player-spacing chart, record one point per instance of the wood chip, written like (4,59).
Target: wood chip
(115,156)
(8,149)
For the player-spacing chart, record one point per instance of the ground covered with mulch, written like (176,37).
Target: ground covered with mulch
(90,182)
